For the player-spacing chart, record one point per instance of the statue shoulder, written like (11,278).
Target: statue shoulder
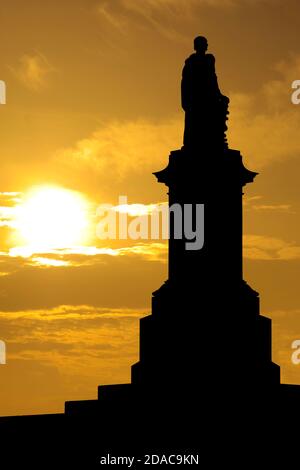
(191,59)
(210,59)
(189,66)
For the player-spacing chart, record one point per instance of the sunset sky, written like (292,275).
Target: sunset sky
(93,108)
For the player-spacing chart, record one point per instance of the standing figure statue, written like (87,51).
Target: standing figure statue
(205,107)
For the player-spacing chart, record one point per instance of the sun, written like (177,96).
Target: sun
(52,217)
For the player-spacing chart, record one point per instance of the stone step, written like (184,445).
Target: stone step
(81,407)
(118,392)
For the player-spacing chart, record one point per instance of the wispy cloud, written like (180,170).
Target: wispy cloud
(33,71)
(8,202)
(262,121)
(260,247)
(46,261)
(163,16)
(83,255)
(115,149)
(68,350)
(156,15)
(251,203)
(272,207)
(139,209)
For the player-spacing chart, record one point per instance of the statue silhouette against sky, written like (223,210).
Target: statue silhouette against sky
(204,105)
(205,378)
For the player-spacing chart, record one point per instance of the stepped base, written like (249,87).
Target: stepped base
(127,400)
(89,430)
(81,408)
(110,399)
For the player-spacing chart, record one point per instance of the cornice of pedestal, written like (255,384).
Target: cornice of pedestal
(214,163)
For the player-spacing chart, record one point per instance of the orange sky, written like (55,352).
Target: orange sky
(93,106)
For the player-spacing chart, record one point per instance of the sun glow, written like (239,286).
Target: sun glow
(51,218)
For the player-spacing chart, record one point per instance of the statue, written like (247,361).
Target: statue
(205,107)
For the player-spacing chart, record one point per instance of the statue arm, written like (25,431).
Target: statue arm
(214,79)
(185,88)
(187,83)
(212,73)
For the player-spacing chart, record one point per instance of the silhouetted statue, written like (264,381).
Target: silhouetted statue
(204,105)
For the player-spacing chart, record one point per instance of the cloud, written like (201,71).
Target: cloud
(260,247)
(87,255)
(162,16)
(139,209)
(39,254)
(156,15)
(107,13)
(8,201)
(121,148)
(94,279)
(250,203)
(272,207)
(259,124)
(46,261)
(70,349)
(264,125)
(33,71)
(7,216)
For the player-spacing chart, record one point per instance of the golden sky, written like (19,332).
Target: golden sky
(93,108)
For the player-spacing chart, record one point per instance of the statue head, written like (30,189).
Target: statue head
(200,44)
